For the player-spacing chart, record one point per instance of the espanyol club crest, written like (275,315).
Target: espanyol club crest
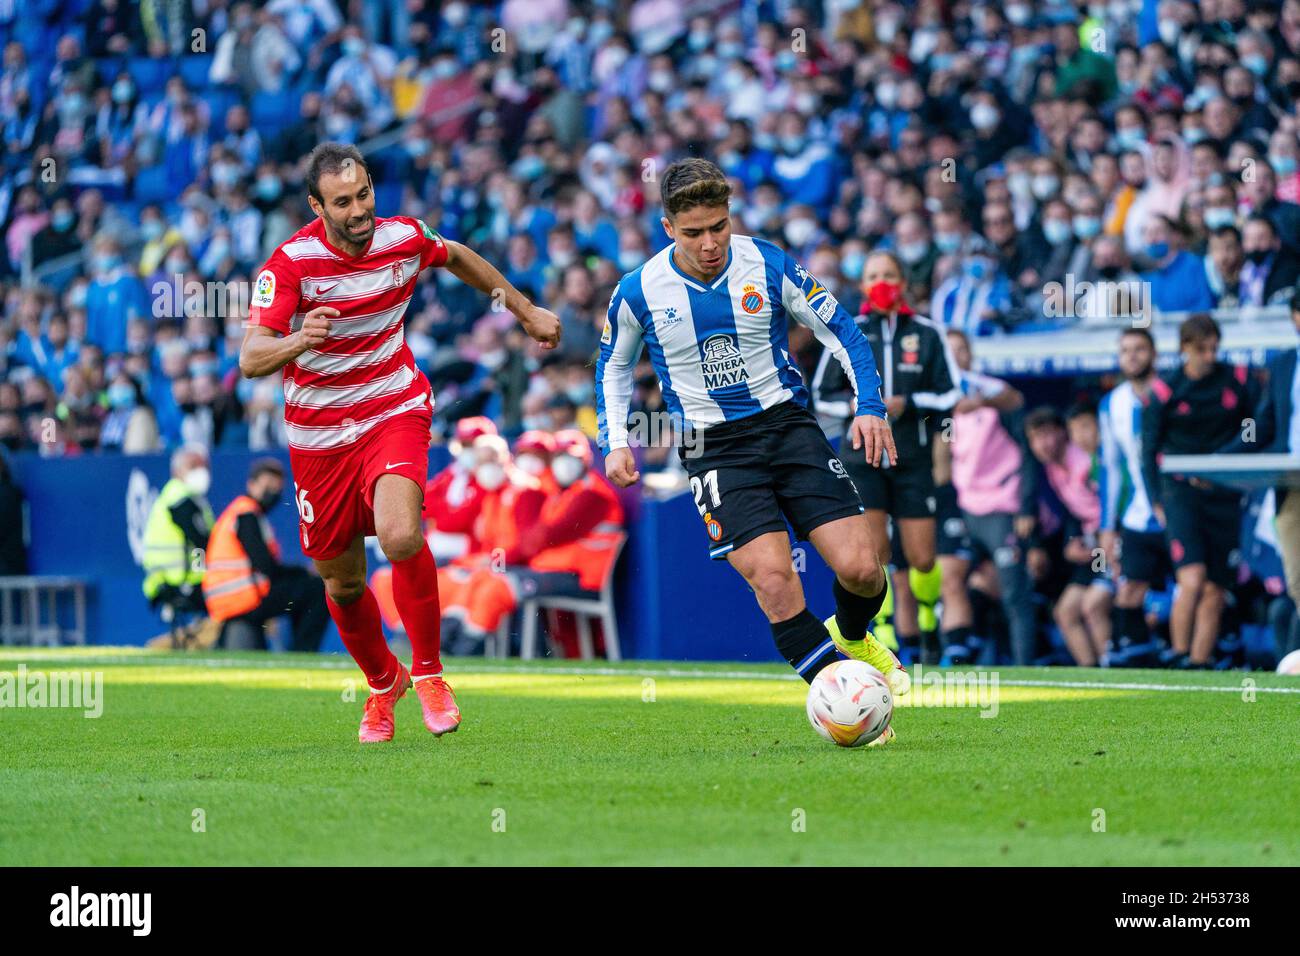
(751,300)
(713,526)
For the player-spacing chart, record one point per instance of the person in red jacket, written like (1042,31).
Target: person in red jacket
(568,550)
(452,498)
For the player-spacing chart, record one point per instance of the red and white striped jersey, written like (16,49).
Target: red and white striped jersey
(364,372)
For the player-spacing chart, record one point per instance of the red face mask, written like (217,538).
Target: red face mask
(884,296)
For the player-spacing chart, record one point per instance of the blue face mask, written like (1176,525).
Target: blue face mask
(947,242)
(1216,217)
(852,265)
(792,145)
(1157,250)
(1085,227)
(1282,165)
(1056,231)
(121,396)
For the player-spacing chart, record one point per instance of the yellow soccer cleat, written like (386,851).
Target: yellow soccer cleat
(871,651)
(885,737)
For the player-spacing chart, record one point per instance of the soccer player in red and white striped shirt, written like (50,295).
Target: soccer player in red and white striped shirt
(327,308)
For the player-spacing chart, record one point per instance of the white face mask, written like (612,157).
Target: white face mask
(490,475)
(198,480)
(530,464)
(566,469)
(466,459)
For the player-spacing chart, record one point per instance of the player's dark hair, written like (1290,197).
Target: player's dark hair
(1079,409)
(266,466)
(332,159)
(1142,334)
(1042,417)
(1224,231)
(693,182)
(1197,328)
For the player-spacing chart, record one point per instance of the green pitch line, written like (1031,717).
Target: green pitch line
(642,762)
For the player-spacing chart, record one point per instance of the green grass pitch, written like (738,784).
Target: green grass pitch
(642,763)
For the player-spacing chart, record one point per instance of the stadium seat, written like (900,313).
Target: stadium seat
(194,71)
(151,185)
(274,110)
(597,604)
(150,75)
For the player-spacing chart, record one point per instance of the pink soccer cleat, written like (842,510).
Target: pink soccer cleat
(377,721)
(441,715)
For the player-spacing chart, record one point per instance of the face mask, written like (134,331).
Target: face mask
(1170,30)
(600,31)
(1056,231)
(122,91)
(1085,227)
(1282,165)
(1019,14)
(106,263)
(1020,185)
(198,480)
(466,459)
(786,61)
(947,242)
(887,95)
(660,81)
(530,464)
(884,296)
(490,475)
(177,264)
(566,469)
(792,145)
(1157,250)
(1193,135)
(225,175)
(353,46)
(268,501)
(1216,217)
(799,231)
(1258,256)
(445,69)
(852,264)
(456,14)
(151,230)
(984,116)
(913,252)
(62,221)
(268,188)
(1130,138)
(121,396)
(1108,272)
(1257,63)
(1045,186)
(765,141)
(698,41)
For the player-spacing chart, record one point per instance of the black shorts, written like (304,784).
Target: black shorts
(952,538)
(1203,527)
(1144,556)
(903,491)
(751,476)
(1085,576)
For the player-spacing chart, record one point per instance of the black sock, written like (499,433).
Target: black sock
(805,643)
(1131,623)
(958,635)
(853,612)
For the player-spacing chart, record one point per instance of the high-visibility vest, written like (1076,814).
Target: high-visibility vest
(167,555)
(592,557)
(231,586)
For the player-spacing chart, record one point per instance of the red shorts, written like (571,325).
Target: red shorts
(335,493)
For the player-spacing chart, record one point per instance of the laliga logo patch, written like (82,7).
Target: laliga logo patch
(607,334)
(713,526)
(264,288)
(751,300)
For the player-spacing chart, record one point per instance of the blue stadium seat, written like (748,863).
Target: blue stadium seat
(271,110)
(194,71)
(150,75)
(151,185)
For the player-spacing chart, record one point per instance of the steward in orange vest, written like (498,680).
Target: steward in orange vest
(243,577)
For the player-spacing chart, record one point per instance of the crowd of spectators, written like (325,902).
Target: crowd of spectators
(997,149)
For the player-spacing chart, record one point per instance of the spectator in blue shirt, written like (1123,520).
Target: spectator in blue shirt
(115,296)
(1177,281)
(804,169)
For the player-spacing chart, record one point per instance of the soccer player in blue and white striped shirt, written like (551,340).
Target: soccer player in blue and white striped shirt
(713,311)
(1127,516)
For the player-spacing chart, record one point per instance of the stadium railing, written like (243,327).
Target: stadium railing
(30,605)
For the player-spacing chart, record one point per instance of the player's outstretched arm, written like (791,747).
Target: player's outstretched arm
(265,351)
(475,271)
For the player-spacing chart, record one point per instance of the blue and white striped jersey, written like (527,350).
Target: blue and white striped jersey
(1119,419)
(721,350)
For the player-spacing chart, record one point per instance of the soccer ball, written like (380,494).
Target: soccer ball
(1290,664)
(849,703)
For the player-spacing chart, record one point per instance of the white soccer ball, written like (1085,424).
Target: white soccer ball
(1290,664)
(850,703)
